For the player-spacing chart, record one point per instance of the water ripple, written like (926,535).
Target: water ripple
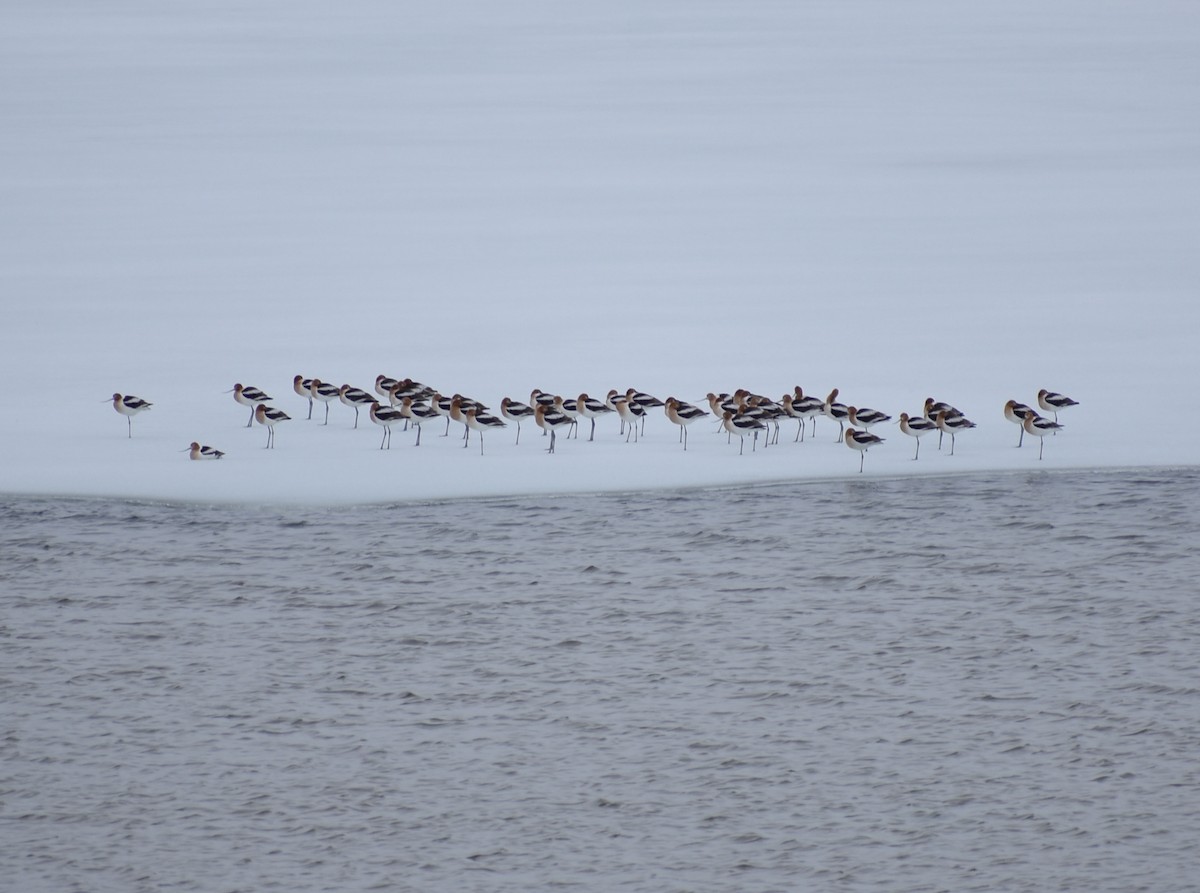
(968,683)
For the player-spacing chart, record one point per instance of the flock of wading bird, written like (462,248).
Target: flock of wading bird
(742,414)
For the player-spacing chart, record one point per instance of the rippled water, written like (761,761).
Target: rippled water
(966,683)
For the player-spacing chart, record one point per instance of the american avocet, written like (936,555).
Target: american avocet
(1039,427)
(683,414)
(326,393)
(441,405)
(861,441)
(418,413)
(384,385)
(916,427)
(248,396)
(865,418)
(757,407)
(1052,402)
(385,417)
(129,406)
(1015,412)
(742,424)
(517,412)
(407,388)
(481,421)
(203,452)
(354,398)
(458,412)
(931,410)
(645,401)
(839,412)
(569,408)
(630,414)
(270,416)
(590,408)
(721,403)
(807,408)
(613,401)
(303,387)
(952,424)
(549,419)
(933,407)
(768,411)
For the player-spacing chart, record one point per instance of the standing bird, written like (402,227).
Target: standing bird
(248,396)
(269,416)
(517,412)
(862,441)
(385,417)
(1039,427)
(741,425)
(933,407)
(569,408)
(354,398)
(645,401)
(129,406)
(590,408)
(326,393)
(865,418)
(384,385)
(839,412)
(952,424)
(630,413)
(481,421)
(418,414)
(683,414)
(916,427)
(808,407)
(303,387)
(203,452)
(550,419)
(1052,402)
(1015,412)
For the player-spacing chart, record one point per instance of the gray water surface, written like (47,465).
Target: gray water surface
(967,683)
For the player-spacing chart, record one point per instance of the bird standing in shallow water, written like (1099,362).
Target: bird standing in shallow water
(129,406)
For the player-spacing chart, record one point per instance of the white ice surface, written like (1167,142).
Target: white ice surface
(961,200)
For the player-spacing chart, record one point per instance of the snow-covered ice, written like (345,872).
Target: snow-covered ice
(967,201)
